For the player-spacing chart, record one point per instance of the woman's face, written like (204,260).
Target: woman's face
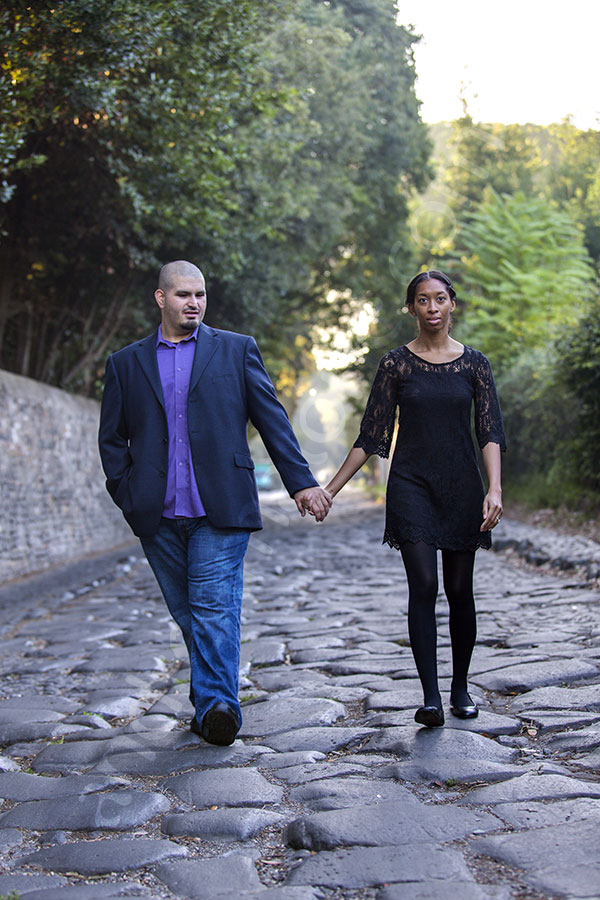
(432,306)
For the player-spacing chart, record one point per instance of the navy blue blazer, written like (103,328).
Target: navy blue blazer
(229,386)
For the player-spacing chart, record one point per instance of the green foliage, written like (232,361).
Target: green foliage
(579,371)
(524,275)
(551,407)
(275,144)
(119,114)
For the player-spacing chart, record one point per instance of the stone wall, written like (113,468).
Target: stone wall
(54,504)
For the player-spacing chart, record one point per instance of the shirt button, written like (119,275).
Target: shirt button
(180,416)
(180,440)
(179,369)
(178,392)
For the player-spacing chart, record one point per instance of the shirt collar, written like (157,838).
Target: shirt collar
(161,340)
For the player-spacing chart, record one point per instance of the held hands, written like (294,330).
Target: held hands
(492,510)
(315,501)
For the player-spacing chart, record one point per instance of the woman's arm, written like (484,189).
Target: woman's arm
(492,504)
(353,462)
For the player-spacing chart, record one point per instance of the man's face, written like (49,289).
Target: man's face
(182,306)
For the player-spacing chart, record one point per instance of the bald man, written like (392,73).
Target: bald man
(174,447)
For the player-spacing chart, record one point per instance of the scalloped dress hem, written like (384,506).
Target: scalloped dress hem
(484,543)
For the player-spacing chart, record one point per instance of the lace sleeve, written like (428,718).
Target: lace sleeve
(488,417)
(377,426)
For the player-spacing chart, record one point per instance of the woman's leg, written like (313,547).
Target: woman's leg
(420,562)
(458,585)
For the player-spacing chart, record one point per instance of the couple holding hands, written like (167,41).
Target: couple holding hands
(174,448)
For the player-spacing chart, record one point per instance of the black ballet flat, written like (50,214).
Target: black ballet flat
(430,716)
(469,711)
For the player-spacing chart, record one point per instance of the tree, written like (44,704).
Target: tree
(118,114)
(525,274)
(274,143)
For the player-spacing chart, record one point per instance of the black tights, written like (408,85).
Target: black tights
(420,562)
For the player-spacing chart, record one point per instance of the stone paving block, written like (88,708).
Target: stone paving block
(280,893)
(533,787)
(83,753)
(449,771)
(320,770)
(540,814)
(220,824)
(560,859)
(336,653)
(22,715)
(590,761)
(401,698)
(546,720)
(30,731)
(110,811)
(122,659)
(8,765)
(167,762)
(324,739)
(445,891)
(22,884)
(579,741)
(9,837)
(150,723)
(121,706)
(532,675)
(375,666)
(203,879)
(230,787)
(586,697)
(104,856)
(263,652)
(280,715)
(95,891)
(175,702)
(371,866)
(398,822)
(285,760)
(23,786)
(486,722)
(351,791)
(425,744)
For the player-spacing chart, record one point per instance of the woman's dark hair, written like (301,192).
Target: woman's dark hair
(411,290)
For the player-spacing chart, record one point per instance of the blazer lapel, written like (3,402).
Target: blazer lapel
(207,343)
(146,355)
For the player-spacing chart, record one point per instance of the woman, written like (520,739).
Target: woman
(435,495)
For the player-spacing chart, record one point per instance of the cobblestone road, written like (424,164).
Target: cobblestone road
(331,791)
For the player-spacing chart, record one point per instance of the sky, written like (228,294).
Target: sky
(517,61)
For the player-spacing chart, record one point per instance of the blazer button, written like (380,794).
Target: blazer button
(165,440)
(162,474)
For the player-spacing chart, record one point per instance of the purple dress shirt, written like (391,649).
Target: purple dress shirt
(175,368)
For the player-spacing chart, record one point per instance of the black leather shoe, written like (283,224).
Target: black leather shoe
(431,716)
(468,711)
(220,725)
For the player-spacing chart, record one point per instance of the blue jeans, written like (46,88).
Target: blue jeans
(200,571)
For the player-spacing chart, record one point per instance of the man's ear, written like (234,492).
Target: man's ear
(159,296)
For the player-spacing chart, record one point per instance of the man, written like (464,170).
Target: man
(174,448)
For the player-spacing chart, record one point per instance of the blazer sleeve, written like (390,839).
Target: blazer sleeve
(113,438)
(270,419)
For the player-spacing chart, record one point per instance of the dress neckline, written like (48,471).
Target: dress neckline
(429,363)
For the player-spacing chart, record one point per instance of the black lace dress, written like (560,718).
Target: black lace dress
(435,490)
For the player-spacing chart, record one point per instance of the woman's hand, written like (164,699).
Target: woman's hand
(492,509)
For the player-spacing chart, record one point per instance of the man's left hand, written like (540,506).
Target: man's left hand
(314,500)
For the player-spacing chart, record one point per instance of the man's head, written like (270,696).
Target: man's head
(181,297)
